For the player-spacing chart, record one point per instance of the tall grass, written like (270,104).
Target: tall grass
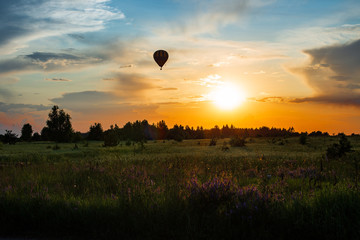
(178,190)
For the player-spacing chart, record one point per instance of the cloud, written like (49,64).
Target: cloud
(126,66)
(5,94)
(45,61)
(58,79)
(133,85)
(272,99)
(316,35)
(15,107)
(334,74)
(23,21)
(210,15)
(85,100)
(168,89)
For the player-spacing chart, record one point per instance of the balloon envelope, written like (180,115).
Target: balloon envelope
(160,57)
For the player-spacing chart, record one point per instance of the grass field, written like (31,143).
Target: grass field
(271,188)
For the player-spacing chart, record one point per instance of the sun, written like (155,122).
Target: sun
(227,96)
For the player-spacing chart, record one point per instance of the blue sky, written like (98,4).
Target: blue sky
(94,59)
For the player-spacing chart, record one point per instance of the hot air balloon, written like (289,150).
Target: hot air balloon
(160,57)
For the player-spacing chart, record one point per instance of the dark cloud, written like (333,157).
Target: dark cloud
(5,107)
(47,56)
(126,66)
(76,36)
(342,100)
(339,78)
(334,74)
(45,61)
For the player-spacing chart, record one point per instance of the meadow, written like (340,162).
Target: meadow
(271,188)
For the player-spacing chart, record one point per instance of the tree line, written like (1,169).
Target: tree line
(59,129)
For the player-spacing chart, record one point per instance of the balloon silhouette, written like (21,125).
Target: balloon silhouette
(160,57)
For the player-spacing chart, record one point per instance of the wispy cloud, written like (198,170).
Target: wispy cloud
(311,36)
(168,89)
(208,16)
(58,79)
(23,20)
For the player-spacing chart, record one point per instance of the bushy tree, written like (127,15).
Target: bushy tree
(111,138)
(60,128)
(177,133)
(45,134)
(10,137)
(36,137)
(96,132)
(26,132)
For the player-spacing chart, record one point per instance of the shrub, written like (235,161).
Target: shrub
(237,141)
(337,150)
(56,147)
(110,139)
(303,139)
(128,143)
(212,142)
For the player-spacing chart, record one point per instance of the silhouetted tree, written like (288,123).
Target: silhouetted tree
(111,138)
(10,137)
(127,131)
(26,132)
(60,129)
(96,132)
(177,133)
(77,137)
(199,133)
(45,134)
(303,138)
(36,137)
(215,132)
(162,130)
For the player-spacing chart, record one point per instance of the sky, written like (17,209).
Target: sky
(284,63)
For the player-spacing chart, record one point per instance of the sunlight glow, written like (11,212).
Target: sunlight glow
(227,96)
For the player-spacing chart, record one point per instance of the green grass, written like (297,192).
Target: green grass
(179,190)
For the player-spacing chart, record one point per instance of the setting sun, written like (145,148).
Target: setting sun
(227,96)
